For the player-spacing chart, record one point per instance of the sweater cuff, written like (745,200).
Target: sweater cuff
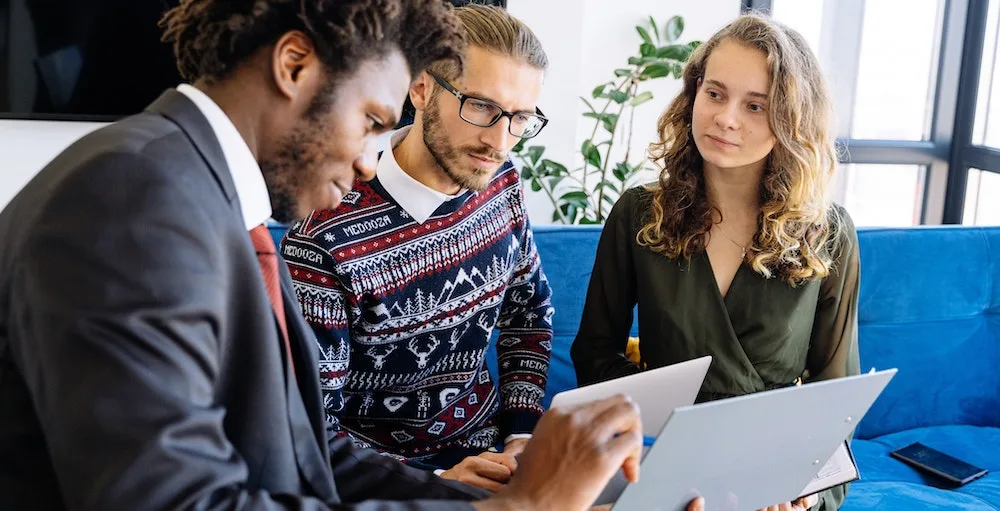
(517,436)
(518,423)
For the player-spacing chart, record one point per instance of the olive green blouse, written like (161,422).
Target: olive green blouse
(764,334)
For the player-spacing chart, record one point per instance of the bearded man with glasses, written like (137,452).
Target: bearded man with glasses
(405,282)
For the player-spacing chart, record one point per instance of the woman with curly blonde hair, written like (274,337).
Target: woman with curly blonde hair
(737,252)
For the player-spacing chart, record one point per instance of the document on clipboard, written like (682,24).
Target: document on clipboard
(839,469)
(728,452)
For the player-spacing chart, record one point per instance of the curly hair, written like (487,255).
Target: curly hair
(793,239)
(211,37)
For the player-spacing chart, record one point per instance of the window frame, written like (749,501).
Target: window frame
(949,151)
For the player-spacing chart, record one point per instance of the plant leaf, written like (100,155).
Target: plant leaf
(607,120)
(622,71)
(621,171)
(679,52)
(694,44)
(589,221)
(608,185)
(558,169)
(610,122)
(598,90)
(673,29)
(591,107)
(590,153)
(526,172)
(656,71)
(535,185)
(618,96)
(641,98)
(573,213)
(647,50)
(634,61)
(656,31)
(576,198)
(519,146)
(644,35)
(677,70)
(535,153)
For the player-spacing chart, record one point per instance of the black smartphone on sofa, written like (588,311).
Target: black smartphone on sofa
(938,463)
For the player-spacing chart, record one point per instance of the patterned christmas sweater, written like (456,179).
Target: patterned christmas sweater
(404,313)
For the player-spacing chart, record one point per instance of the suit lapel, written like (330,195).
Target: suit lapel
(178,108)
(305,411)
(305,400)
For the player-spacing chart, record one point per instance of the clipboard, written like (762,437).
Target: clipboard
(737,454)
(840,469)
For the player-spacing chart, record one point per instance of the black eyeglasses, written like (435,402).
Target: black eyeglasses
(485,113)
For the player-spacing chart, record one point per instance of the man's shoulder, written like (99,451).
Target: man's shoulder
(145,133)
(138,153)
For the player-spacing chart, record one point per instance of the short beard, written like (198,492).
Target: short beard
(285,172)
(443,154)
(282,181)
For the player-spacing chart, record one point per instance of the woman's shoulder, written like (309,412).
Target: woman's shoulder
(843,234)
(638,197)
(633,205)
(840,222)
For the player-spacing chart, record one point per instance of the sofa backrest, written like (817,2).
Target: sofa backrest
(929,306)
(567,255)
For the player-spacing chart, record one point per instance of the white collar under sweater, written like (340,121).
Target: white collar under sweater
(417,199)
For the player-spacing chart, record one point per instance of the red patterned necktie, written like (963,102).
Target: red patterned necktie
(267,258)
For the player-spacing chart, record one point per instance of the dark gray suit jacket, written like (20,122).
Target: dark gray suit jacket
(140,364)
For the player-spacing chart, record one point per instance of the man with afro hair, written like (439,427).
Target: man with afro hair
(151,351)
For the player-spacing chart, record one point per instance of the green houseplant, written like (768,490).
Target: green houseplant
(585,194)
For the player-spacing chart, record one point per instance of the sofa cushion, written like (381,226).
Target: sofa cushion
(979,446)
(947,373)
(908,497)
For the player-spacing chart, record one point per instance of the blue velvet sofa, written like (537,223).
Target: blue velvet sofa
(929,306)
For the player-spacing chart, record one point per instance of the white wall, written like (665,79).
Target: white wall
(26,146)
(585,41)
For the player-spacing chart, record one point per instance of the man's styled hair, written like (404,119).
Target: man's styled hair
(211,37)
(493,29)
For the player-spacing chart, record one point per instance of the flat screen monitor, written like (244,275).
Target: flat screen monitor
(89,60)
(82,59)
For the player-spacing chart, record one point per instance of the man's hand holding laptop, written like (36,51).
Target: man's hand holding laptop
(577,450)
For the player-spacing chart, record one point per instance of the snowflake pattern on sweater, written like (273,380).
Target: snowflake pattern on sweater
(404,314)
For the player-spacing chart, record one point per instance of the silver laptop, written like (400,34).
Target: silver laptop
(751,451)
(656,391)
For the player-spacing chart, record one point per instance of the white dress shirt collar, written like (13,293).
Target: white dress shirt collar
(255,202)
(416,198)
